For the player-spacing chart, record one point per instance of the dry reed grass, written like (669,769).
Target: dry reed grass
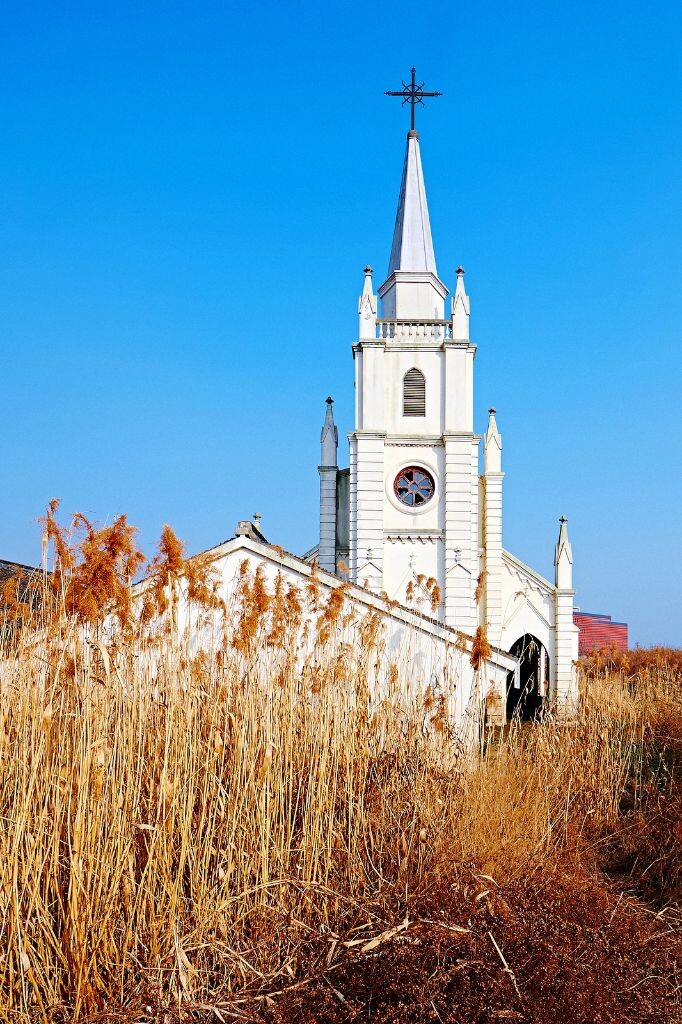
(175,825)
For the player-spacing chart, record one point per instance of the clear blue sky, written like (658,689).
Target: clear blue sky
(189,193)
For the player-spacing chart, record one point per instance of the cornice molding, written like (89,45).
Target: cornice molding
(525,574)
(418,441)
(461,435)
(413,536)
(413,277)
(410,345)
(368,343)
(410,441)
(457,343)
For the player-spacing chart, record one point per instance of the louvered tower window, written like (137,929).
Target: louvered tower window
(414,393)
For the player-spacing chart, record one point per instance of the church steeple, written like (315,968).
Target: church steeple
(412,247)
(412,290)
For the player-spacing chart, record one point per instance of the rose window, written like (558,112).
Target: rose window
(414,486)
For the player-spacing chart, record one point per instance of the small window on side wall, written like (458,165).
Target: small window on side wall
(414,393)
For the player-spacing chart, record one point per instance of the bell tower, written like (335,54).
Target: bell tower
(414,487)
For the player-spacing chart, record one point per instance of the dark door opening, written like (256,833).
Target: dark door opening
(527,687)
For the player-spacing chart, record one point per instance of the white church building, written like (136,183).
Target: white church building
(416,502)
(418,513)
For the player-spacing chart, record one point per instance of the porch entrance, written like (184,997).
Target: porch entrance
(527,685)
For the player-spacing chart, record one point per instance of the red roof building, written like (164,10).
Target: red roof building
(598,631)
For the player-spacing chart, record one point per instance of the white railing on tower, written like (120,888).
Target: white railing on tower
(414,329)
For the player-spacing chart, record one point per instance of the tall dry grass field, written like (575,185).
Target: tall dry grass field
(174,826)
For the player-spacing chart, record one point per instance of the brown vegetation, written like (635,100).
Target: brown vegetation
(229,833)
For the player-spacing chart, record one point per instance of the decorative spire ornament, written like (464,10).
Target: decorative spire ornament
(563,558)
(413,94)
(460,309)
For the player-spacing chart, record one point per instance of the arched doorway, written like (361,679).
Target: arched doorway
(527,686)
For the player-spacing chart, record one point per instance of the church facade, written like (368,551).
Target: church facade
(411,531)
(420,506)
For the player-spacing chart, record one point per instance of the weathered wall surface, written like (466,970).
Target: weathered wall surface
(422,652)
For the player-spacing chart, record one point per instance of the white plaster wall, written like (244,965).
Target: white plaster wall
(371,383)
(367,497)
(398,570)
(418,296)
(326,555)
(566,652)
(448,371)
(453,511)
(398,516)
(458,387)
(462,558)
(400,359)
(490,495)
(424,650)
(359,389)
(526,608)
(413,536)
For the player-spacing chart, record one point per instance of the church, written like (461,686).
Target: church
(420,501)
(416,519)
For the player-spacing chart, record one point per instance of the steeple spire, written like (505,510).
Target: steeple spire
(412,290)
(412,247)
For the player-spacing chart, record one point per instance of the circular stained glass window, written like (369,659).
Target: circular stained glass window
(414,486)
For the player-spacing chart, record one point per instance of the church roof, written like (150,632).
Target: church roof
(412,247)
(526,570)
(28,577)
(11,569)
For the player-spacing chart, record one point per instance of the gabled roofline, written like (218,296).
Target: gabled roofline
(531,573)
(19,565)
(306,570)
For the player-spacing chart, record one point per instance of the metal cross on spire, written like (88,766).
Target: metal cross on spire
(413,94)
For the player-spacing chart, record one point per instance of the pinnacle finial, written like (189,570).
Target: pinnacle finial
(329,436)
(367,307)
(563,558)
(460,308)
(492,445)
